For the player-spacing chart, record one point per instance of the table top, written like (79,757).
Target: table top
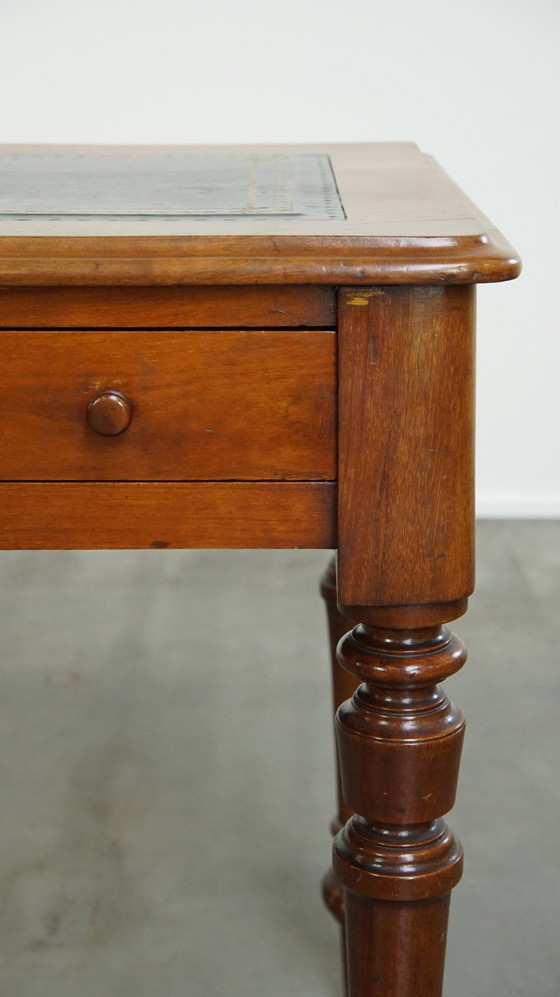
(354,214)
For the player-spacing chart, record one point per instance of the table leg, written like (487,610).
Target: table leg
(343,687)
(400,742)
(404,568)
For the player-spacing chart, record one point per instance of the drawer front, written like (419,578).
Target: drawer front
(203,405)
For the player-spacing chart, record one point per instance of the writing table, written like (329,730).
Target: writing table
(272,347)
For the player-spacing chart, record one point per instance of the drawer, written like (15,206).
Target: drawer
(204,405)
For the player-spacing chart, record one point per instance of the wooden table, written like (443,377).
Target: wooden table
(272,347)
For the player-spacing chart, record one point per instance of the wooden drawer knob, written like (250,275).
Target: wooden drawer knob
(109,413)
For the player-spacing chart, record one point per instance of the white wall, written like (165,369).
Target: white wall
(476,84)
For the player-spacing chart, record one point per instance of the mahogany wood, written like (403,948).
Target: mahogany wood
(399,743)
(343,687)
(219,329)
(208,405)
(93,515)
(403,222)
(109,413)
(406,495)
(343,683)
(266,307)
(406,491)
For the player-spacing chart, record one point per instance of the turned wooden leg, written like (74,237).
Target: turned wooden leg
(400,742)
(404,568)
(343,683)
(343,687)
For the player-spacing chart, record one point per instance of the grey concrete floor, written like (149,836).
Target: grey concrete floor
(166,784)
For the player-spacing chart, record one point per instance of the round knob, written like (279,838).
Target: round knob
(109,413)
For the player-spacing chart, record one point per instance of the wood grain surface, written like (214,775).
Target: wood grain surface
(206,405)
(399,744)
(404,222)
(184,307)
(406,440)
(116,515)
(172,381)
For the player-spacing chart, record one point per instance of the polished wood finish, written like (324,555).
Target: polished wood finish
(249,411)
(109,413)
(406,494)
(405,566)
(267,307)
(404,222)
(208,405)
(343,682)
(400,743)
(118,515)
(343,687)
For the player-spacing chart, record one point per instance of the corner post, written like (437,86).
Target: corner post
(405,567)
